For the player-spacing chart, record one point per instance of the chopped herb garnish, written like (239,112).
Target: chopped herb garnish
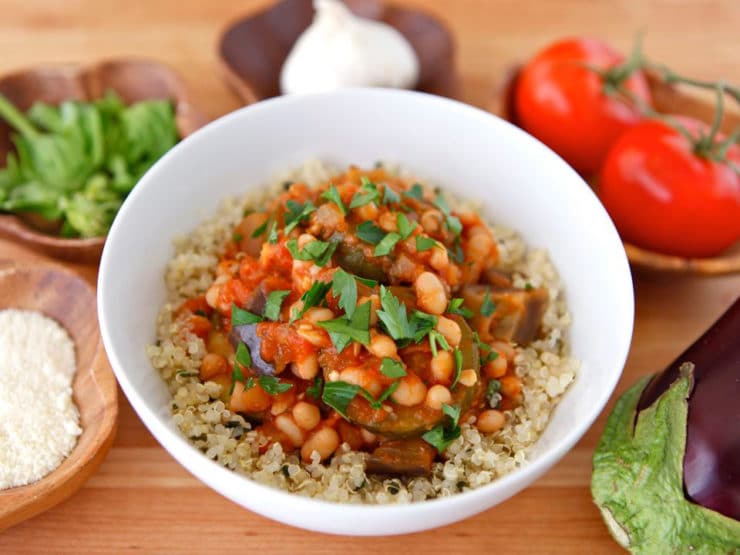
(319,252)
(243,357)
(344,287)
(489,357)
(260,229)
(387,244)
(456,307)
(392,368)
(272,236)
(452,222)
(405,226)
(240,317)
(366,281)
(422,324)
(314,390)
(274,302)
(368,193)
(200,312)
(488,306)
(436,338)
(332,195)
(273,385)
(393,315)
(313,297)
(296,214)
(416,192)
(456,252)
(377,404)
(458,356)
(237,237)
(344,330)
(424,243)
(338,395)
(493,394)
(528,286)
(370,233)
(441,436)
(390,196)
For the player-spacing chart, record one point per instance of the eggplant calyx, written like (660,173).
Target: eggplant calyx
(637,480)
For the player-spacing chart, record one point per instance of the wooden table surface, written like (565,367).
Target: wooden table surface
(141,499)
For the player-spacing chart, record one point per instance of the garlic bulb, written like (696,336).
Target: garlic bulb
(340,49)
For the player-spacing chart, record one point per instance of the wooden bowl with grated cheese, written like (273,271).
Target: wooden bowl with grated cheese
(70,301)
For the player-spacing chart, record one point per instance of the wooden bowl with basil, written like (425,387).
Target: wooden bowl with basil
(74,141)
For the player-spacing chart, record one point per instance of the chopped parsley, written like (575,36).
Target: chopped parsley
(405,226)
(273,385)
(272,236)
(489,357)
(393,315)
(458,356)
(493,393)
(452,222)
(377,404)
(241,317)
(314,390)
(390,196)
(332,195)
(260,230)
(441,436)
(241,359)
(387,244)
(392,368)
(416,192)
(528,286)
(368,193)
(422,324)
(424,243)
(370,233)
(319,252)
(436,338)
(311,298)
(274,302)
(338,395)
(456,307)
(297,213)
(344,287)
(488,306)
(237,237)
(344,330)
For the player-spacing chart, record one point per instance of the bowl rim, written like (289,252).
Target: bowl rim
(459,505)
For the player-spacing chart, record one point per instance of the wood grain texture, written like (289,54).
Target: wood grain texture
(140,500)
(68,299)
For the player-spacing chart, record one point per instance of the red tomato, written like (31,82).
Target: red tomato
(563,103)
(664,197)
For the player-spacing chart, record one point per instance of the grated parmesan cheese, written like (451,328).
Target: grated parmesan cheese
(39,422)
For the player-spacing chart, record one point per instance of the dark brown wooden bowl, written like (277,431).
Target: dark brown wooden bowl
(133,80)
(252,49)
(667,99)
(69,300)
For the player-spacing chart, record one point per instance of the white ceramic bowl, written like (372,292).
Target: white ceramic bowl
(521,183)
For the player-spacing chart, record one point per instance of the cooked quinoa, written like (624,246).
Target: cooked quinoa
(473,460)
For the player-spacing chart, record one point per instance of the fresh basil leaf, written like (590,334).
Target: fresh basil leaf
(405,226)
(344,287)
(332,195)
(424,243)
(273,385)
(241,317)
(392,368)
(488,306)
(296,214)
(370,233)
(274,302)
(387,244)
(338,395)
